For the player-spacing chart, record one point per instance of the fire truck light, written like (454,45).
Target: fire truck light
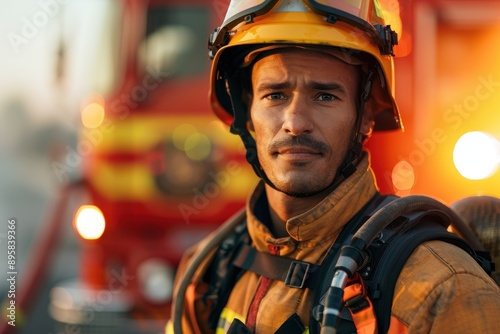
(156,279)
(92,115)
(476,155)
(89,222)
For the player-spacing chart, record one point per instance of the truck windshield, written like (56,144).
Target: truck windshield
(175,40)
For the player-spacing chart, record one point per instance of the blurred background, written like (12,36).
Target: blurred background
(42,84)
(112,163)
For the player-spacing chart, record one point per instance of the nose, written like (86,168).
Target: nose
(297,118)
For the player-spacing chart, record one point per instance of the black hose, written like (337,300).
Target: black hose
(373,226)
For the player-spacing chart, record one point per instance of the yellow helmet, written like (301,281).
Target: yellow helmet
(356,28)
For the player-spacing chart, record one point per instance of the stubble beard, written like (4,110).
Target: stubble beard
(303,187)
(299,184)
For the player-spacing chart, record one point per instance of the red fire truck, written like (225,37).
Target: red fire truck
(161,172)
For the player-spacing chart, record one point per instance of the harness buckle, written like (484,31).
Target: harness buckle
(355,294)
(297,274)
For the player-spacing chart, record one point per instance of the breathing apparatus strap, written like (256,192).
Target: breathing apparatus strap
(360,306)
(294,273)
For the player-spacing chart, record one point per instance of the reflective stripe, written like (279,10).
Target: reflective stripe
(169,327)
(226,318)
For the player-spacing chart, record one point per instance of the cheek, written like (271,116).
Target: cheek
(262,123)
(262,136)
(339,132)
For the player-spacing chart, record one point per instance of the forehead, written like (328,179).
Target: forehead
(316,65)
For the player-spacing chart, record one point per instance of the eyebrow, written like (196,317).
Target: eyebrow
(316,85)
(272,85)
(328,86)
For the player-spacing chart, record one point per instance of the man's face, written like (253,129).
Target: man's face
(303,113)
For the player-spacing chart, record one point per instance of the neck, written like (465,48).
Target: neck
(282,207)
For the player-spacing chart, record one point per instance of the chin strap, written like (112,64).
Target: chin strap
(348,166)
(239,127)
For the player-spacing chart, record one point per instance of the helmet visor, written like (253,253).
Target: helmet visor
(239,9)
(357,8)
(350,6)
(361,14)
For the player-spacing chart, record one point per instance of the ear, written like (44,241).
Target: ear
(250,125)
(368,121)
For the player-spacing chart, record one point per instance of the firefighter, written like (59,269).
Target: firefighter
(304,84)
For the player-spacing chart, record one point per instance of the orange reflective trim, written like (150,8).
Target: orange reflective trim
(364,320)
(397,327)
(352,291)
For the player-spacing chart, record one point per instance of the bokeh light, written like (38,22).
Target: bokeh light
(198,146)
(93,115)
(403,176)
(90,222)
(476,155)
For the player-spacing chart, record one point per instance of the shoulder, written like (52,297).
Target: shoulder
(436,261)
(441,284)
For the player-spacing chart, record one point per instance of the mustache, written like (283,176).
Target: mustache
(302,140)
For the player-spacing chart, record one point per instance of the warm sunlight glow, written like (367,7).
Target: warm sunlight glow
(476,155)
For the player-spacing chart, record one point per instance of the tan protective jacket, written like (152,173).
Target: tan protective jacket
(440,290)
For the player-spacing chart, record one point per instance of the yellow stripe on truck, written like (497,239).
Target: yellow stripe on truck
(134,181)
(141,133)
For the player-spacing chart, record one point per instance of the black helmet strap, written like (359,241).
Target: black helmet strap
(239,126)
(347,167)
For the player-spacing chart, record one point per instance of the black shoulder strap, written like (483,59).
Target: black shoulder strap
(221,275)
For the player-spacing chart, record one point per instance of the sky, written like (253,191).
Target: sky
(30,35)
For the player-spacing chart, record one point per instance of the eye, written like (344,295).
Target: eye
(275,96)
(326,97)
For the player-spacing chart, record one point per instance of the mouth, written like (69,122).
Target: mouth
(299,150)
(298,153)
